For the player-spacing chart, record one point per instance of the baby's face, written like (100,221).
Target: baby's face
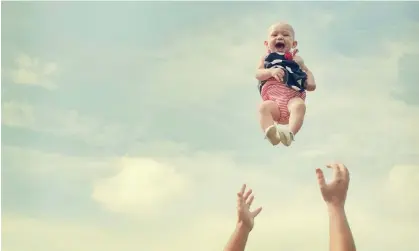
(281,38)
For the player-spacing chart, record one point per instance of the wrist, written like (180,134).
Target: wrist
(336,208)
(241,227)
(263,74)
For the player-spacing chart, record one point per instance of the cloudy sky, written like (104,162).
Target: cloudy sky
(130,126)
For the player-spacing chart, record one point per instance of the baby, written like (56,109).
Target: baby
(283,81)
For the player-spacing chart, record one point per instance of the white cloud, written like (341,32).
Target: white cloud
(66,123)
(37,163)
(26,233)
(140,186)
(290,214)
(403,188)
(287,220)
(31,71)
(194,193)
(362,110)
(46,119)
(17,115)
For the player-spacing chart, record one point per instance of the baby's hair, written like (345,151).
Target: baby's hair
(282,23)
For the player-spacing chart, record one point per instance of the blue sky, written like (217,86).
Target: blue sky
(118,118)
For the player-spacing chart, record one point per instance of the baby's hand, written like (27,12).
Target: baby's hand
(277,73)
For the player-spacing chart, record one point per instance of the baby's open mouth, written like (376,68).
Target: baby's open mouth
(280,45)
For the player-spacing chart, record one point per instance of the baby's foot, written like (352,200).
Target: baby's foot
(286,136)
(272,135)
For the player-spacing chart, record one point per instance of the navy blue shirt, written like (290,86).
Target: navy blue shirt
(294,77)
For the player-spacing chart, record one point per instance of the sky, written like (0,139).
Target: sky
(131,126)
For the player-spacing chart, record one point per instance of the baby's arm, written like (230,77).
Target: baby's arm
(311,82)
(262,73)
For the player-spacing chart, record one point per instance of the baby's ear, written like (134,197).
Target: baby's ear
(294,44)
(267,47)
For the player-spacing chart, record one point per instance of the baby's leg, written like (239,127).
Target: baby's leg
(297,109)
(268,111)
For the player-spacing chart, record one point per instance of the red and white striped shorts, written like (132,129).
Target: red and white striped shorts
(281,95)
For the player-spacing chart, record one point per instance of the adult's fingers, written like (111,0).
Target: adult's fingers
(247,194)
(344,171)
(337,174)
(320,178)
(256,212)
(243,188)
(250,200)
(240,200)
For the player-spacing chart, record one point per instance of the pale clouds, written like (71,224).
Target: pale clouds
(47,119)
(37,163)
(141,186)
(364,108)
(17,115)
(69,123)
(205,218)
(286,218)
(41,234)
(403,187)
(32,71)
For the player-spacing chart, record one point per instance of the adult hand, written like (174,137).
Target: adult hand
(245,217)
(334,193)
(277,73)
